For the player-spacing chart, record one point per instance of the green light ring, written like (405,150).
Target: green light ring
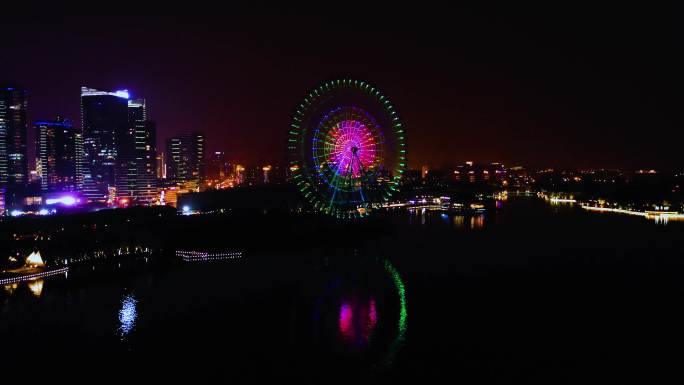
(403,313)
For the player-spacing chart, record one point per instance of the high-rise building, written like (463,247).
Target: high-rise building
(34,178)
(126,173)
(239,174)
(185,158)
(175,165)
(218,167)
(104,117)
(2,201)
(146,158)
(13,129)
(161,166)
(57,154)
(137,151)
(267,173)
(197,157)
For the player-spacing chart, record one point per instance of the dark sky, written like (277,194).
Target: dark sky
(561,86)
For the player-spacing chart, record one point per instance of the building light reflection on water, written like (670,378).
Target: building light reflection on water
(10,288)
(346,320)
(127,315)
(475,222)
(36,287)
(403,313)
(359,317)
(357,321)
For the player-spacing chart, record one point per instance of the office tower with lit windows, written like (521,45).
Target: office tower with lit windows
(137,151)
(197,157)
(185,158)
(106,134)
(146,150)
(58,153)
(145,132)
(126,173)
(175,165)
(13,130)
(161,166)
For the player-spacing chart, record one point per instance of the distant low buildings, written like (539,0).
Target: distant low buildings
(480,173)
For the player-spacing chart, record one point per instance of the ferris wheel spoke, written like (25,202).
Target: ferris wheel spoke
(334,185)
(359,166)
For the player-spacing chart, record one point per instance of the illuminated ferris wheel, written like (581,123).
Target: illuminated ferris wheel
(347,148)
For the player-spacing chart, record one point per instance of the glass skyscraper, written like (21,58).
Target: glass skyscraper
(58,154)
(126,165)
(104,117)
(142,186)
(185,158)
(13,128)
(176,163)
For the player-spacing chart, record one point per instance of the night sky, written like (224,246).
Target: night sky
(559,87)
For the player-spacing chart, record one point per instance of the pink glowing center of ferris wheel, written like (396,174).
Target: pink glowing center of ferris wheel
(353,148)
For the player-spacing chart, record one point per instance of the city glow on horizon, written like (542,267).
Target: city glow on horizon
(66,200)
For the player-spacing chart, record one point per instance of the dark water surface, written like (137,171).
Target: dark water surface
(530,293)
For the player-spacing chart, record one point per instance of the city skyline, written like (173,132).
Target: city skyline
(341,193)
(479,86)
(32,138)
